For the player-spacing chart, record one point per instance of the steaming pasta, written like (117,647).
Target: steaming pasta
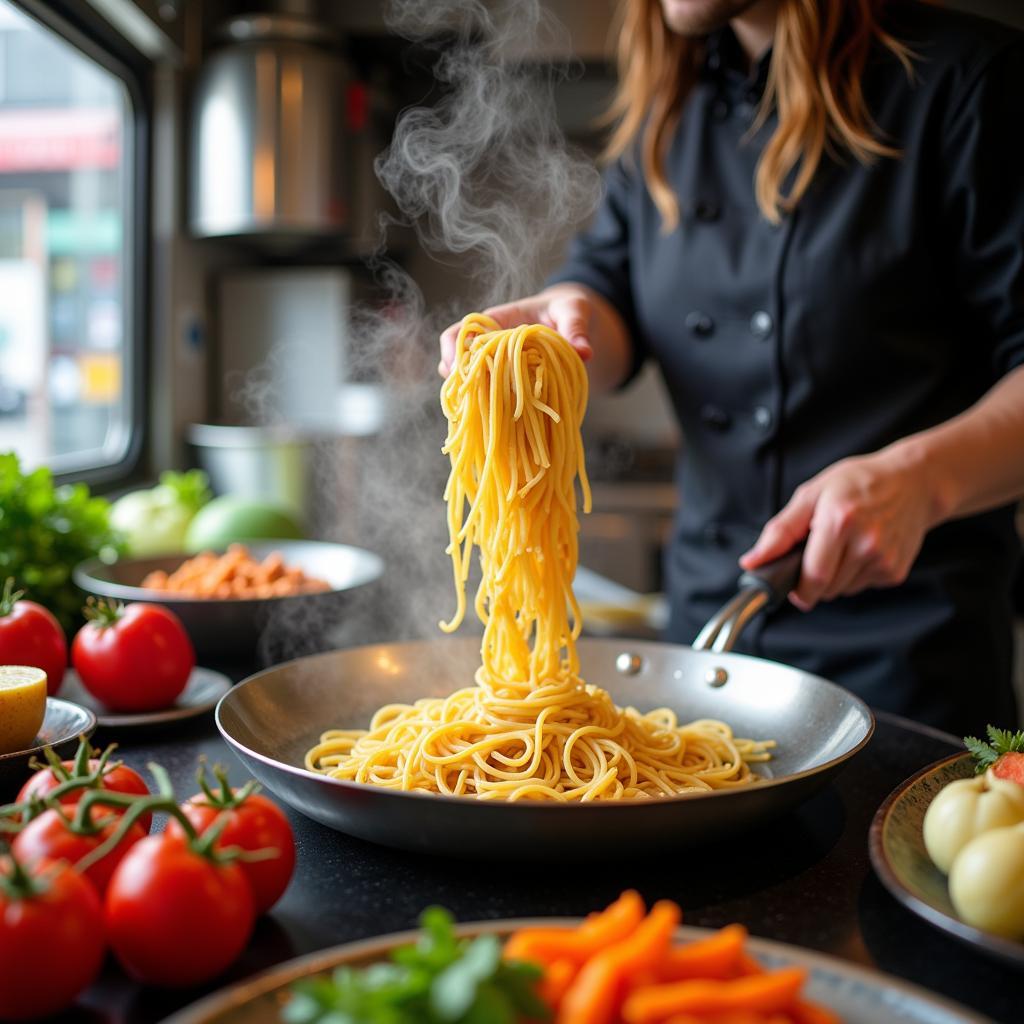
(530,729)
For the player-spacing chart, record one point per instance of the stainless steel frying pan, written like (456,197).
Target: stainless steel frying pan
(273,717)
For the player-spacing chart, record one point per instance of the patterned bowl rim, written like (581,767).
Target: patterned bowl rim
(1006,950)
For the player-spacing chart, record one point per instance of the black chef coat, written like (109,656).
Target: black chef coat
(889,301)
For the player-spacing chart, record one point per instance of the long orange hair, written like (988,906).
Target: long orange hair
(814,84)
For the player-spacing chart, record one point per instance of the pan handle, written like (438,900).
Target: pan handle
(759,589)
(776,578)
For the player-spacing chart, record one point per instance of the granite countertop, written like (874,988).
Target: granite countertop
(804,879)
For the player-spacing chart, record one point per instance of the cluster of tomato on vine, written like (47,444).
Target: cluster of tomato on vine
(176,907)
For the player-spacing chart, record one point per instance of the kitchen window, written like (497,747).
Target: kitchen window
(69,343)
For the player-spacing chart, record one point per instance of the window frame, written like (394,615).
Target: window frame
(80,26)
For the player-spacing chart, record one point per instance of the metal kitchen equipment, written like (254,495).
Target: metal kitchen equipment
(759,590)
(273,463)
(268,148)
(272,718)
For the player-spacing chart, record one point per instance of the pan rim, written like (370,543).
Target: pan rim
(531,806)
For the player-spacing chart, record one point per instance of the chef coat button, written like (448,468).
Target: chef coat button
(762,417)
(761,324)
(720,109)
(715,417)
(706,210)
(714,534)
(700,324)
(752,96)
(714,61)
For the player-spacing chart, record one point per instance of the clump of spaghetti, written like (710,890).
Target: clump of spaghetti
(530,729)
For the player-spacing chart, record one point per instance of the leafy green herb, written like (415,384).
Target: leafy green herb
(191,489)
(440,979)
(1000,741)
(45,531)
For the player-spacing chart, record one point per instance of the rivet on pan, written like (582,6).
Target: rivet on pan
(716,677)
(629,664)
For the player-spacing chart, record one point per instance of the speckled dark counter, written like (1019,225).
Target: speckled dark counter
(805,879)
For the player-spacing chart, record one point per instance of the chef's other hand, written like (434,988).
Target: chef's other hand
(864,519)
(565,307)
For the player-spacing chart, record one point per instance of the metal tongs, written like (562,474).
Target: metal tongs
(759,589)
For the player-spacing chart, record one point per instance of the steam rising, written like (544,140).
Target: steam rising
(488,183)
(487,170)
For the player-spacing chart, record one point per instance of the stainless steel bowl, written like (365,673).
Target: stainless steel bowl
(272,718)
(246,627)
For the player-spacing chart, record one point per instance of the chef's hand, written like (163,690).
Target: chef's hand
(568,308)
(864,519)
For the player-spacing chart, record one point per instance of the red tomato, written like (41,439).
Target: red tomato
(173,916)
(136,658)
(256,824)
(48,837)
(118,778)
(51,941)
(30,635)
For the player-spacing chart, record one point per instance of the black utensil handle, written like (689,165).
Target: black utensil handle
(776,578)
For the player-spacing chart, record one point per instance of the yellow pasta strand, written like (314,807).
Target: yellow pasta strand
(530,729)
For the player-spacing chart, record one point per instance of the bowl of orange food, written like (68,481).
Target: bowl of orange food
(624,963)
(243,602)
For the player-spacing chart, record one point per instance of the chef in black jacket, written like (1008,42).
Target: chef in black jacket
(851,374)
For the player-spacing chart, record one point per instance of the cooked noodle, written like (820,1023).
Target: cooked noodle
(530,729)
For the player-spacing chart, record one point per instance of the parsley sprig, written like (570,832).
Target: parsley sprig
(45,531)
(1000,741)
(440,979)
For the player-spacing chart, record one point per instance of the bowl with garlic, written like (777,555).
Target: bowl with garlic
(949,844)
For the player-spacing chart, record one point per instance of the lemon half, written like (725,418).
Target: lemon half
(22,706)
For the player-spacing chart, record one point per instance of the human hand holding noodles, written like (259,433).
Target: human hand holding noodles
(579,314)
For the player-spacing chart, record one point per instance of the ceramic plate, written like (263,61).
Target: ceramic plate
(205,687)
(63,724)
(858,995)
(901,861)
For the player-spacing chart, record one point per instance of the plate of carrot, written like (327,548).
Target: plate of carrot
(626,964)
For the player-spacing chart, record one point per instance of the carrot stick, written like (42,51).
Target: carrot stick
(558,976)
(766,993)
(621,917)
(811,1013)
(593,996)
(714,957)
(729,1017)
(545,945)
(748,965)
